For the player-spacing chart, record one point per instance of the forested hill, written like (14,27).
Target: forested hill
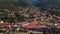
(33,2)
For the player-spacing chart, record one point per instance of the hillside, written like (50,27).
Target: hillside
(12,10)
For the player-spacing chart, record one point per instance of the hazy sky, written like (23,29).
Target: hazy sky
(44,2)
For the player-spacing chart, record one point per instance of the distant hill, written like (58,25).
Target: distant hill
(28,2)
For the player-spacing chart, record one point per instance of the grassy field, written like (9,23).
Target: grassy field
(18,32)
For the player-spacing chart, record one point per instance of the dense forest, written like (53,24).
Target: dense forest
(21,10)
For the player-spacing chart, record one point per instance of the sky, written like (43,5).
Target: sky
(38,2)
